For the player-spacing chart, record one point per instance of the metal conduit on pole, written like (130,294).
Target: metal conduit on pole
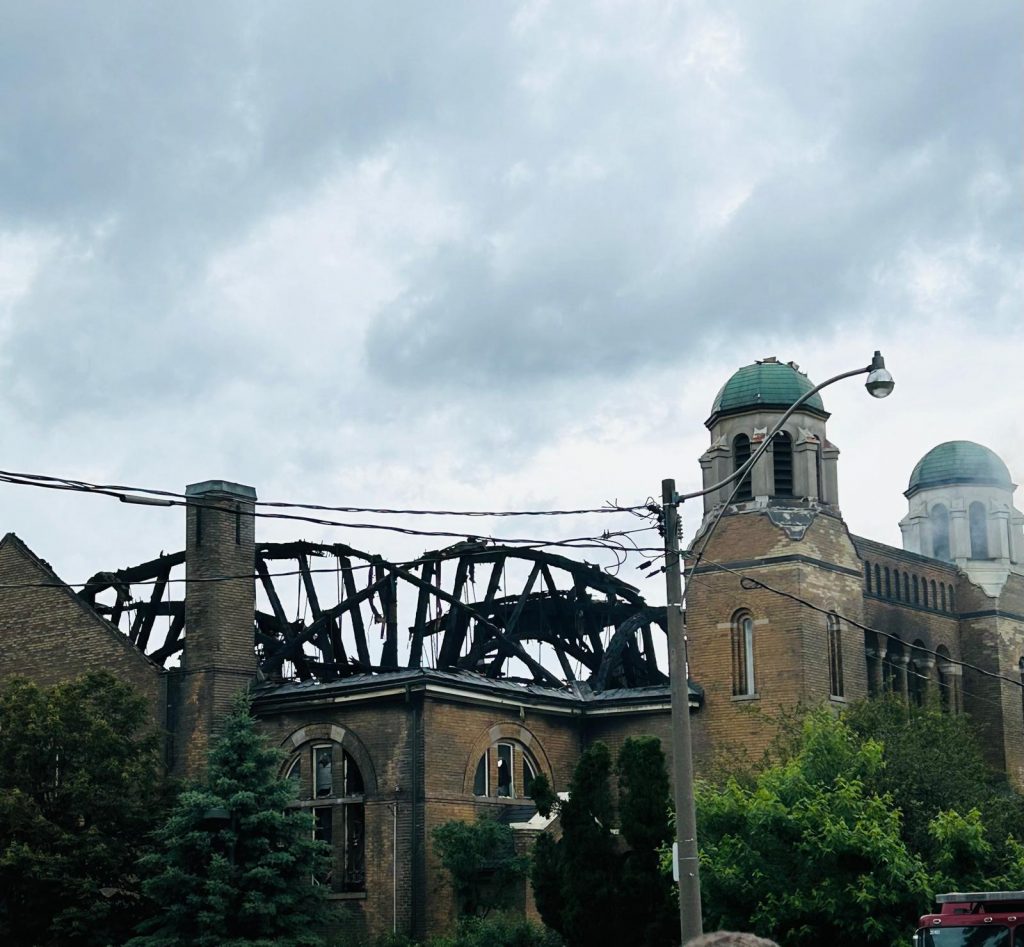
(879,384)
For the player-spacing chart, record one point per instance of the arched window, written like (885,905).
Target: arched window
(782,464)
(867,576)
(741,454)
(506,771)
(942,586)
(835,656)
(329,782)
(926,601)
(916,679)
(1020,671)
(942,667)
(917,592)
(979,530)
(938,521)
(888,583)
(743,655)
(952,600)
(906,586)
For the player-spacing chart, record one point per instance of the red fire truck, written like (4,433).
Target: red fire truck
(974,919)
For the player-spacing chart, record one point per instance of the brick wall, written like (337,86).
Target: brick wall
(49,635)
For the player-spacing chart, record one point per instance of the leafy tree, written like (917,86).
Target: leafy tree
(235,864)
(481,861)
(588,886)
(934,764)
(809,854)
(80,788)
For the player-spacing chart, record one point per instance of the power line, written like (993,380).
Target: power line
(119,490)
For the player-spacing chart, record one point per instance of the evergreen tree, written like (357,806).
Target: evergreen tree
(589,886)
(235,864)
(645,824)
(81,786)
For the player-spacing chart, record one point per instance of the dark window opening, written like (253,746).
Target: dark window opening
(741,454)
(505,783)
(867,576)
(917,592)
(323,782)
(888,583)
(782,464)
(896,582)
(480,778)
(878,580)
(835,656)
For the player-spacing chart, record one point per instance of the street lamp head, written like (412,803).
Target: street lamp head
(879,383)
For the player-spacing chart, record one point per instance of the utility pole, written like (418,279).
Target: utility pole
(682,756)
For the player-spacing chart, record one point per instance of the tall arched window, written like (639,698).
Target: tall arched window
(906,586)
(867,576)
(743,655)
(1020,671)
(979,530)
(878,580)
(938,521)
(782,464)
(952,600)
(942,666)
(835,656)
(942,586)
(740,455)
(917,592)
(888,583)
(916,679)
(329,783)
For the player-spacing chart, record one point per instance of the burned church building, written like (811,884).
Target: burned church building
(406,695)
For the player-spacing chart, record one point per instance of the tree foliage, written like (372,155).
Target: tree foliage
(81,785)
(589,886)
(481,861)
(243,879)
(847,835)
(934,764)
(808,854)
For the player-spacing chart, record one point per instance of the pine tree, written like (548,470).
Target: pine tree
(591,886)
(235,863)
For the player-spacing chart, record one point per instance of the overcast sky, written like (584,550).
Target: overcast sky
(492,255)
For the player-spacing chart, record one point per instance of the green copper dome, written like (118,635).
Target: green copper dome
(959,462)
(765,384)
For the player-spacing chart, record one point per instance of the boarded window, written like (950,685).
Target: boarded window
(741,454)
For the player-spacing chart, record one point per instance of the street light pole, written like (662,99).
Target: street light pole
(879,384)
(682,757)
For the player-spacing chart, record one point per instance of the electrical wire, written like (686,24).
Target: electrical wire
(119,490)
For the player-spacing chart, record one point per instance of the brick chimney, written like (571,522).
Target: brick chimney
(219,658)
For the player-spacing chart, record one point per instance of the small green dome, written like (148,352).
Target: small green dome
(959,462)
(765,384)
